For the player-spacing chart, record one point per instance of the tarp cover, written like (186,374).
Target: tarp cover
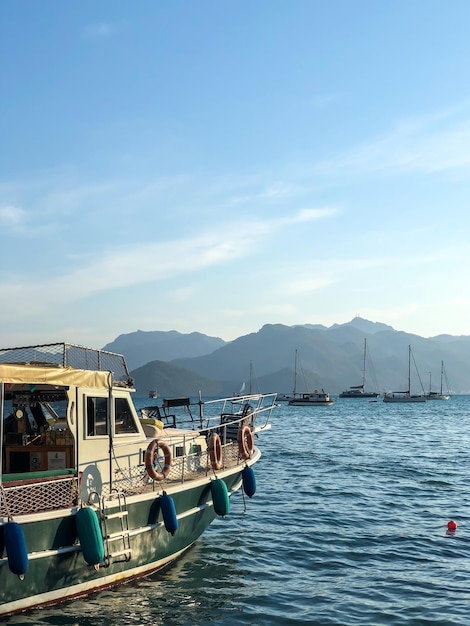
(57,376)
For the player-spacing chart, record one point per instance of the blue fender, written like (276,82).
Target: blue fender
(169,513)
(15,546)
(249,481)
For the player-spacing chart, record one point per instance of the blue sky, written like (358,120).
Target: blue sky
(214,166)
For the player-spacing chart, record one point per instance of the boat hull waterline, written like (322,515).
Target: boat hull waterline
(359,394)
(312,400)
(391,398)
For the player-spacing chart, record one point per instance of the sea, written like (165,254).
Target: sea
(348,525)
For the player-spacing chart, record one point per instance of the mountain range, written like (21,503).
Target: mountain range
(175,364)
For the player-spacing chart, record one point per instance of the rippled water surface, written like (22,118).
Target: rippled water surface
(348,526)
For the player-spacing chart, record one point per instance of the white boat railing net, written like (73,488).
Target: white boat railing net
(33,497)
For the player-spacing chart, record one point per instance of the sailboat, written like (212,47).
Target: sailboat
(315,398)
(358,391)
(406,396)
(243,391)
(438,395)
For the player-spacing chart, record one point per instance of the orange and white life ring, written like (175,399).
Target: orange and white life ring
(246,444)
(215,451)
(150,456)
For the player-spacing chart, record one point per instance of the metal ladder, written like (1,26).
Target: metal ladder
(117,543)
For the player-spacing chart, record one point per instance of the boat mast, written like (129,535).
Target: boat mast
(409,370)
(364,366)
(295,374)
(442,373)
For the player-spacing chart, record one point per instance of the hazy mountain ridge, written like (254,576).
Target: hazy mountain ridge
(170,381)
(331,358)
(142,347)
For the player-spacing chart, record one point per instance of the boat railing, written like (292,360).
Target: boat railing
(253,404)
(28,493)
(190,459)
(213,412)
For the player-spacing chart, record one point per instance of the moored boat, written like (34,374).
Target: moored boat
(403,396)
(309,398)
(92,494)
(358,391)
(438,395)
(406,396)
(315,398)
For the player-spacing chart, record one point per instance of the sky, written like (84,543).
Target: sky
(218,165)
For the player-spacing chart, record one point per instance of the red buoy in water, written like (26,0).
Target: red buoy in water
(451,525)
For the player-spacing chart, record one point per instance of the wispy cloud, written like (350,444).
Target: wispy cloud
(320,273)
(101,30)
(430,144)
(124,266)
(321,101)
(272,192)
(12,216)
(310,215)
(307,285)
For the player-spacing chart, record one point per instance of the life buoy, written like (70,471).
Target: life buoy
(151,455)
(245,442)
(215,451)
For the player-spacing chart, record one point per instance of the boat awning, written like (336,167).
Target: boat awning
(56,376)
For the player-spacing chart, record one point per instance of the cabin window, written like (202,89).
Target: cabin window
(123,418)
(97,416)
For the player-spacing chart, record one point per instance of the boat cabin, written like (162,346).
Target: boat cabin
(59,422)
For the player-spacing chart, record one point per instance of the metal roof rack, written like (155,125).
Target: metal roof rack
(69,355)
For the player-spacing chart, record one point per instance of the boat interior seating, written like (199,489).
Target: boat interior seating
(231,423)
(169,403)
(153,428)
(229,430)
